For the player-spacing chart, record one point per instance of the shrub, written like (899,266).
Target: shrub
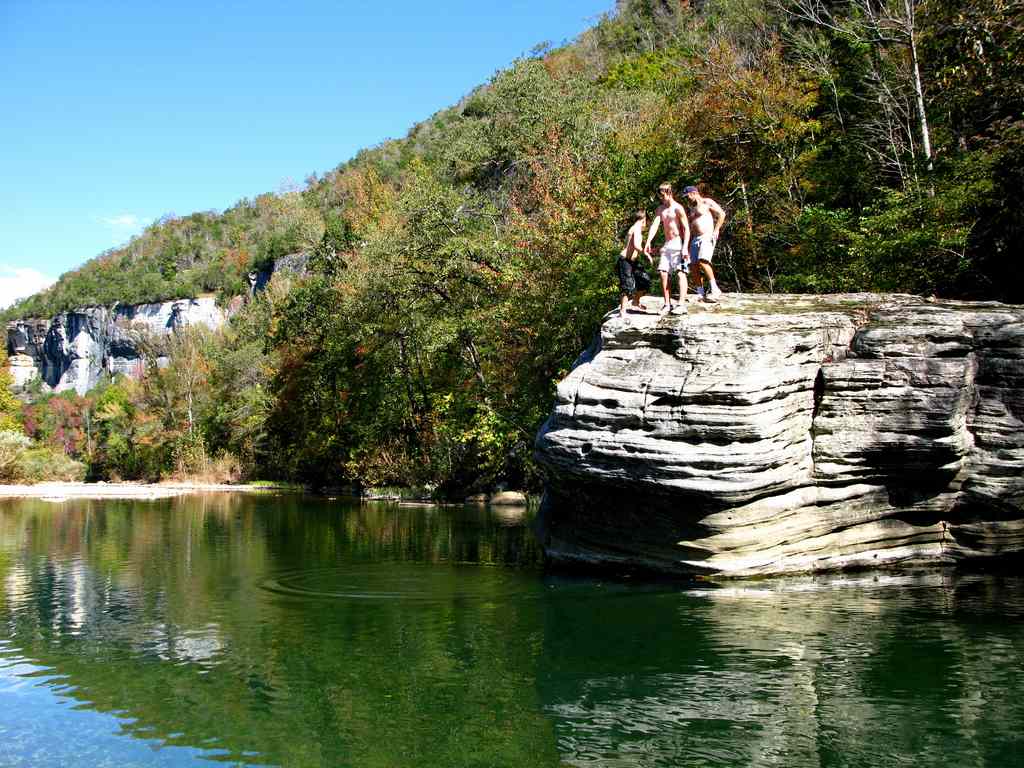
(12,446)
(42,463)
(21,460)
(189,454)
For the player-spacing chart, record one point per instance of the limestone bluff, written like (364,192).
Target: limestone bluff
(73,349)
(789,434)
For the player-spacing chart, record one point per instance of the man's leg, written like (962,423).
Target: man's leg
(713,290)
(693,256)
(664,291)
(643,284)
(707,250)
(627,284)
(682,290)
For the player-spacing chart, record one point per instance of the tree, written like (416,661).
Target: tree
(174,392)
(10,406)
(893,81)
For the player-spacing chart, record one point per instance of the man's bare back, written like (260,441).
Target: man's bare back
(634,241)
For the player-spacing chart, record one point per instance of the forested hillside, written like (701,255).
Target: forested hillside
(855,144)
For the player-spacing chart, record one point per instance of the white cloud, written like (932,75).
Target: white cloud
(18,282)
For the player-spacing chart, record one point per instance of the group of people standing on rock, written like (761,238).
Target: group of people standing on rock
(691,233)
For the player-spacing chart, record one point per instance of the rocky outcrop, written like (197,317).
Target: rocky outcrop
(781,434)
(73,349)
(292,264)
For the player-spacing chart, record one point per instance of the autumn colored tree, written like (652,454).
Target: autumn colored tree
(454,275)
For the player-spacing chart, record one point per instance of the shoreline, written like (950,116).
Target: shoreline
(60,491)
(65,491)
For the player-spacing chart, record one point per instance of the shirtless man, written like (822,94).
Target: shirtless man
(707,218)
(633,280)
(672,216)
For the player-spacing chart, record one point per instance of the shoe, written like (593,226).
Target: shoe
(680,309)
(664,309)
(712,298)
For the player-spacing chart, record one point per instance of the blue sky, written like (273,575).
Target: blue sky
(116,113)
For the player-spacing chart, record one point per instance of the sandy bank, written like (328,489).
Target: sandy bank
(65,491)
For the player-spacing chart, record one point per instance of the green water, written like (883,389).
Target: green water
(280,630)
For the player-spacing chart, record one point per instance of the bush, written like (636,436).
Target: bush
(21,460)
(189,454)
(226,468)
(41,463)
(12,446)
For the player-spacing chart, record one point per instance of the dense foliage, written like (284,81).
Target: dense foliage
(21,458)
(856,144)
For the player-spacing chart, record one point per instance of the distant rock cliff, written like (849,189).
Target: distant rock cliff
(73,349)
(777,434)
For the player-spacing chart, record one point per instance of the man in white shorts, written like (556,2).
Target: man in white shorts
(707,218)
(672,217)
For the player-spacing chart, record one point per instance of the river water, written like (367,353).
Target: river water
(283,630)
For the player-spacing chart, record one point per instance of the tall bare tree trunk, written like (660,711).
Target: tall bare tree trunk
(746,206)
(922,114)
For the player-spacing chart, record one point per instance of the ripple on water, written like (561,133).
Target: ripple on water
(411,582)
(433,582)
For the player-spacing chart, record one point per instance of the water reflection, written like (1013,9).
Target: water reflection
(292,631)
(383,641)
(865,671)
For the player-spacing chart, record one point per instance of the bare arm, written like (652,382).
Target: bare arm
(638,243)
(652,231)
(719,215)
(684,225)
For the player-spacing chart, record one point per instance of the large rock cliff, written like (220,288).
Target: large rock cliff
(73,349)
(779,434)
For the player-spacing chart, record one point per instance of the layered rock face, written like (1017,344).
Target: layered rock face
(73,349)
(784,434)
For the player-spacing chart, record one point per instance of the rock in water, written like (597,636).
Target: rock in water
(787,434)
